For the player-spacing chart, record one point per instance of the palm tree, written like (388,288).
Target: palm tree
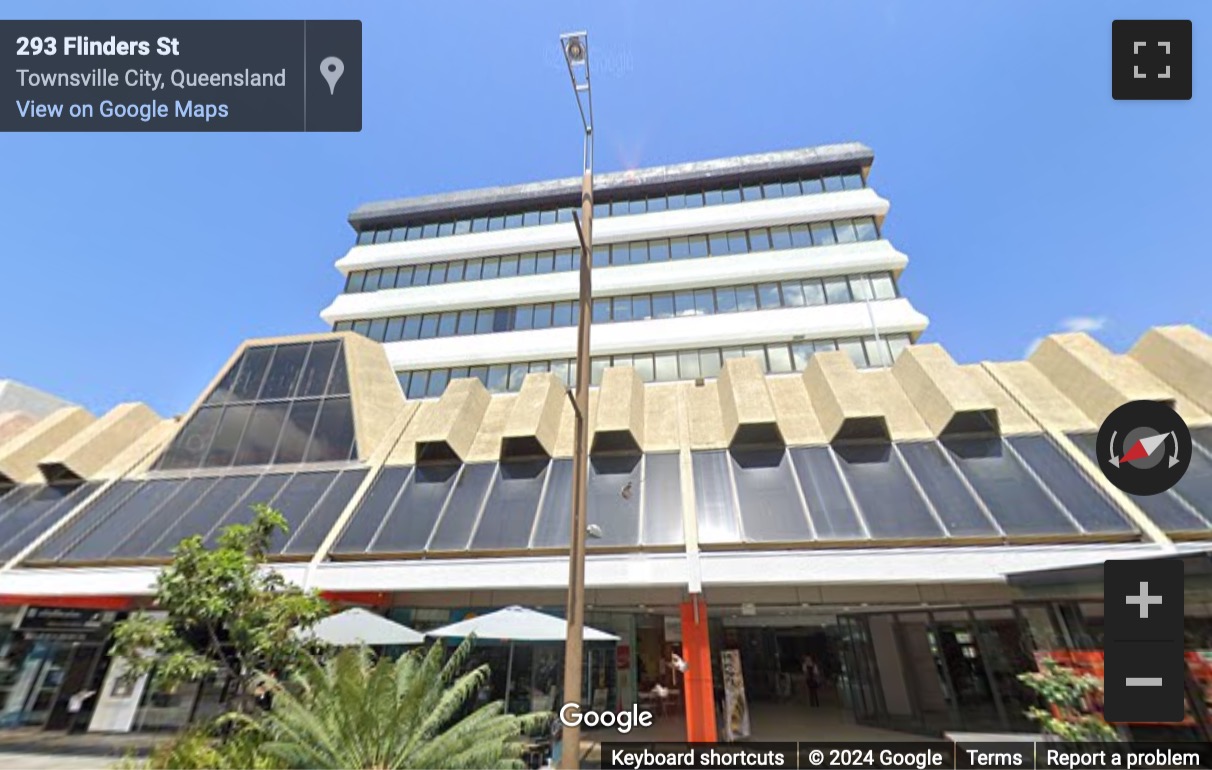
(353,712)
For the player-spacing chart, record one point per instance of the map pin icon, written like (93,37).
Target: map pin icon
(332,69)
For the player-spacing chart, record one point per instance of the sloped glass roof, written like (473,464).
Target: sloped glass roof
(144,520)
(977,487)
(27,511)
(1187,506)
(276,404)
(514,506)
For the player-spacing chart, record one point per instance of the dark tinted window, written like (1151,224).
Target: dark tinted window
(453,531)
(1016,501)
(771,509)
(662,500)
(310,534)
(1093,511)
(416,510)
(960,511)
(372,512)
(833,515)
(715,509)
(203,515)
(890,504)
(614,499)
(513,503)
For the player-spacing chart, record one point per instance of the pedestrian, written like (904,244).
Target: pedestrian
(812,680)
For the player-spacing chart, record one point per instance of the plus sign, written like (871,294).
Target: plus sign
(1144,600)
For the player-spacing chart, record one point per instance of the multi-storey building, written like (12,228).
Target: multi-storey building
(773,256)
(922,529)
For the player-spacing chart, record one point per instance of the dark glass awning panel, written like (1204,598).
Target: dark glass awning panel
(830,508)
(972,487)
(412,517)
(614,497)
(715,505)
(1092,510)
(277,404)
(95,515)
(662,512)
(771,508)
(310,533)
(201,517)
(513,502)
(957,506)
(142,537)
(518,505)
(1184,508)
(892,504)
(128,516)
(1014,498)
(29,511)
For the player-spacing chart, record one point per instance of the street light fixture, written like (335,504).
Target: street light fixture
(575,46)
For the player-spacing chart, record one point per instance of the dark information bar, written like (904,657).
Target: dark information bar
(180,76)
(918,755)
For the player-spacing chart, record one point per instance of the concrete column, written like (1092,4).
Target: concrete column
(698,688)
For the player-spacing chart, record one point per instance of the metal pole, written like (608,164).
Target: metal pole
(574,648)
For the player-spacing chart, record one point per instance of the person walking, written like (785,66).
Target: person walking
(812,680)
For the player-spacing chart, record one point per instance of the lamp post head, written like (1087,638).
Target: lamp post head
(574,48)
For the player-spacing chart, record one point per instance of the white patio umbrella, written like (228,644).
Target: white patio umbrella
(358,626)
(516,624)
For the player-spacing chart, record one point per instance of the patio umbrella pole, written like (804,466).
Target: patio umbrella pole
(508,676)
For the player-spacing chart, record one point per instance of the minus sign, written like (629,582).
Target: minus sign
(1143,681)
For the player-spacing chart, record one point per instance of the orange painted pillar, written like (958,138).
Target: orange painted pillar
(697,689)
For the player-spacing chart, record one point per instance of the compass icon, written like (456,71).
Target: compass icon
(1144,447)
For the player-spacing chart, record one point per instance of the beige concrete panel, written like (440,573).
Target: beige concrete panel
(1181,356)
(903,420)
(843,404)
(942,393)
(703,415)
(13,423)
(1012,418)
(143,452)
(797,421)
(81,456)
(487,446)
(617,421)
(746,409)
(534,422)
(1093,378)
(448,429)
(978,592)
(374,391)
(660,417)
(1042,400)
(19,457)
(404,450)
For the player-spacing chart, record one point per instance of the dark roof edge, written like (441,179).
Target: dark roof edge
(567,191)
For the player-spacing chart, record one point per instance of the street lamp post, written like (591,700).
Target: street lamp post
(575,46)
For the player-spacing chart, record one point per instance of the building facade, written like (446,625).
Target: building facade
(772,256)
(922,528)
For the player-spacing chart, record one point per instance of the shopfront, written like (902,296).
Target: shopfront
(52,662)
(938,670)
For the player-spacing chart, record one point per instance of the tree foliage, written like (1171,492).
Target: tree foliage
(225,612)
(1068,695)
(354,712)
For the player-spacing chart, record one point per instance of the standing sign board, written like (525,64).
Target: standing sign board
(736,708)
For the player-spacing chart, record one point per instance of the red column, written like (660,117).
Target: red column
(698,692)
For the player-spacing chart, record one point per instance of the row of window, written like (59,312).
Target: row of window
(687,200)
(637,307)
(666,366)
(633,253)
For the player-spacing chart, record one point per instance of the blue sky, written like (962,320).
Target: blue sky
(1026,198)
